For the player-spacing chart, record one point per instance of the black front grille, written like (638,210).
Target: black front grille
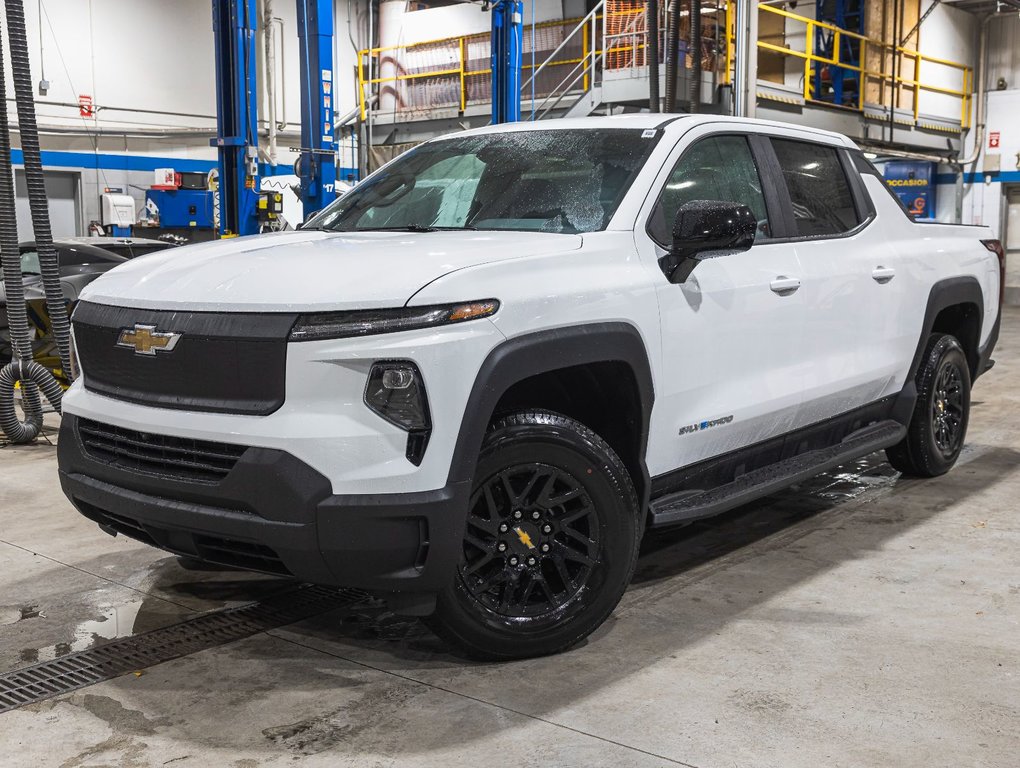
(222,362)
(176,457)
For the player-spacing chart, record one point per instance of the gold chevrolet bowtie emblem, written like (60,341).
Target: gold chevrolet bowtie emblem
(524,537)
(146,340)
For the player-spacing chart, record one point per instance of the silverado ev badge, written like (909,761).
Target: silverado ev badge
(146,340)
(686,430)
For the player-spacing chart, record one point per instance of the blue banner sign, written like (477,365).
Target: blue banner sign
(914,184)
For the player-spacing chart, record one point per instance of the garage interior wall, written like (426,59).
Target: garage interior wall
(148,67)
(996,173)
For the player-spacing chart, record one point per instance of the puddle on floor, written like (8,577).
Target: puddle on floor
(113,623)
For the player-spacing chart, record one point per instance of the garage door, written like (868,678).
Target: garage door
(65,207)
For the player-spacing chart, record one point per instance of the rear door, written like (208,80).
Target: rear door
(732,333)
(852,288)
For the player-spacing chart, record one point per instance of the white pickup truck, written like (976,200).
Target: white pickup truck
(471,383)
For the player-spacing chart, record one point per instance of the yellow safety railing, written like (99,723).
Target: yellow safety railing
(891,81)
(455,71)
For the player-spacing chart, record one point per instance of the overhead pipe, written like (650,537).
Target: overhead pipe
(671,55)
(652,53)
(695,86)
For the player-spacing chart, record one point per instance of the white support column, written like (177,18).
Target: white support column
(745,58)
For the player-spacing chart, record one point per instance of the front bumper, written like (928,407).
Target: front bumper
(274,513)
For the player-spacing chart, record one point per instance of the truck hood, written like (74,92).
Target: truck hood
(309,270)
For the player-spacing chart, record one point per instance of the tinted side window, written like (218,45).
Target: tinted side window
(822,201)
(30,263)
(716,168)
(73,255)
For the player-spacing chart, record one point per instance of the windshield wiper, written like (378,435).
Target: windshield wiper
(411,228)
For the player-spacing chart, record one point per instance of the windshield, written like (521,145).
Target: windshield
(30,263)
(548,181)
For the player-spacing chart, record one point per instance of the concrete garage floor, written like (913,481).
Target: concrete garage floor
(859,620)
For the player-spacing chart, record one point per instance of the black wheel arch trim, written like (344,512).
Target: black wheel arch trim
(532,354)
(944,294)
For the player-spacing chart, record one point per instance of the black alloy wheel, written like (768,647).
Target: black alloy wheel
(947,415)
(938,427)
(550,540)
(531,542)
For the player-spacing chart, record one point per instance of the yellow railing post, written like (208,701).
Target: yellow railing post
(917,87)
(584,54)
(361,83)
(463,84)
(862,76)
(730,42)
(809,46)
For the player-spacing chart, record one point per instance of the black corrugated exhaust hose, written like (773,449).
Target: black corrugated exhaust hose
(17,316)
(26,431)
(27,127)
(10,256)
(672,53)
(695,55)
(652,53)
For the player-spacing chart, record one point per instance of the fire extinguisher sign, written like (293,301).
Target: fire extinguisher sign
(993,140)
(85,108)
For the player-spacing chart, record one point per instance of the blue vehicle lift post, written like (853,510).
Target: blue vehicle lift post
(507,45)
(316,165)
(234,27)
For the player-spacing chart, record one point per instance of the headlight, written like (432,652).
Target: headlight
(364,322)
(396,392)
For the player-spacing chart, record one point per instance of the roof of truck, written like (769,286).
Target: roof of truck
(640,120)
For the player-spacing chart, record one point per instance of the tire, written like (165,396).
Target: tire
(938,425)
(562,505)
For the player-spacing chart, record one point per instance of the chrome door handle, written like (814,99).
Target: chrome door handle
(883,275)
(784,285)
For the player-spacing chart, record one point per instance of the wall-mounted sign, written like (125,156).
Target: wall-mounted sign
(913,183)
(993,140)
(85,108)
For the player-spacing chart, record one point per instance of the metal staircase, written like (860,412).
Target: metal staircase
(577,93)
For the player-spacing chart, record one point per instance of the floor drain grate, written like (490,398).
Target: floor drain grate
(78,670)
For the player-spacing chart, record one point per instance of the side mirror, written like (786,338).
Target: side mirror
(307,219)
(707,229)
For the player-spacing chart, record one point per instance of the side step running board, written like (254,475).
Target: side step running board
(690,505)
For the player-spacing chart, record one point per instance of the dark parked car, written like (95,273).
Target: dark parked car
(82,260)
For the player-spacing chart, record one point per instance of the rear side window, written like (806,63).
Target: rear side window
(715,168)
(822,201)
(866,167)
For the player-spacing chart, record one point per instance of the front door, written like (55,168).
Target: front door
(732,333)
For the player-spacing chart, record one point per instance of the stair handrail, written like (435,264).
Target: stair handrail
(578,72)
(580,26)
